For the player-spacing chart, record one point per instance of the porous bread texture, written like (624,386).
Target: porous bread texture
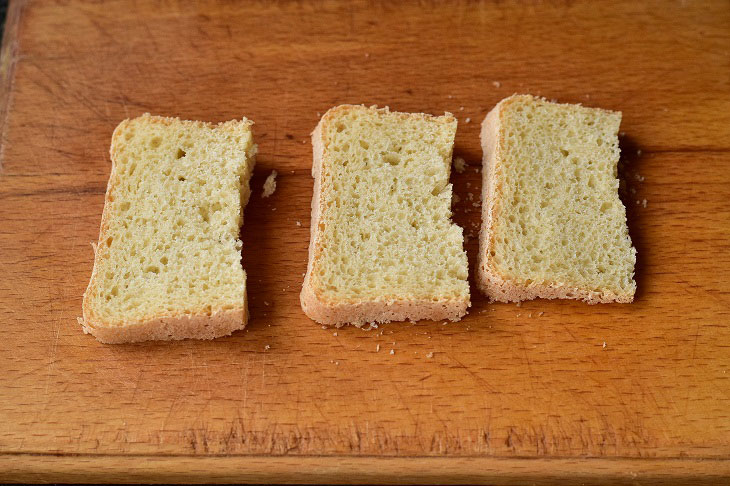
(553,225)
(383,247)
(168,261)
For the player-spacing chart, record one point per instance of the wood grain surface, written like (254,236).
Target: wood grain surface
(548,391)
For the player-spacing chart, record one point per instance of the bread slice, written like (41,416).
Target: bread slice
(553,225)
(168,261)
(383,247)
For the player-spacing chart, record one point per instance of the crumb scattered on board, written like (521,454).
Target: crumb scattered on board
(468,120)
(459,164)
(377,348)
(267,347)
(430,354)
(496,84)
(392,351)
(269,184)
(299,223)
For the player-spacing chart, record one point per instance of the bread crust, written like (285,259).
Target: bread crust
(194,326)
(492,282)
(199,324)
(339,313)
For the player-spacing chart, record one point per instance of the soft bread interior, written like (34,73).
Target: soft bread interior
(171,222)
(385,229)
(558,218)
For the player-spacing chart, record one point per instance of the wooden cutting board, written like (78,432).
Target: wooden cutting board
(546,391)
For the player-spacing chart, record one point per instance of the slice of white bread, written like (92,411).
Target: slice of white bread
(383,247)
(168,262)
(553,225)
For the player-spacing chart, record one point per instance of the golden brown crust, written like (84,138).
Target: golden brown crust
(196,325)
(490,280)
(317,307)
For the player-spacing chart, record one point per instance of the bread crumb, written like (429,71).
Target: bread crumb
(604,344)
(324,327)
(459,164)
(450,96)
(518,315)
(496,84)
(468,120)
(270,184)
(337,363)
(519,304)
(273,209)
(476,170)
(267,347)
(429,354)
(334,333)
(529,315)
(319,114)
(540,313)
(638,152)
(455,199)
(461,108)
(392,351)
(299,223)
(644,202)
(377,348)
(266,303)
(367,54)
